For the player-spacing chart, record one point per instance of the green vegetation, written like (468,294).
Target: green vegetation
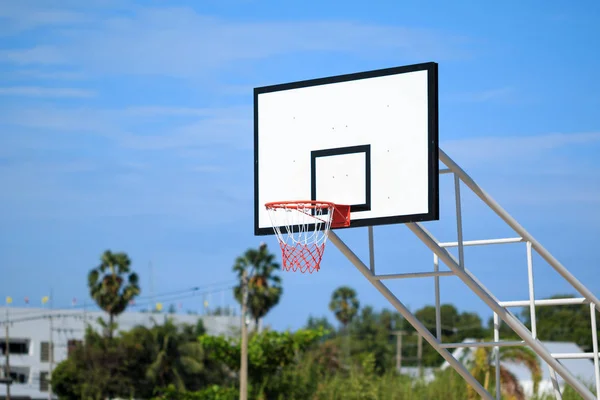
(318,362)
(108,288)
(264,287)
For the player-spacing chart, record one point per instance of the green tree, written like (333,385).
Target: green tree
(321,323)
(103,368)
(344,304)
(264,287)
(112,285)
(372,335)
(455,327)
(269,353)
(175,358)
(570,323)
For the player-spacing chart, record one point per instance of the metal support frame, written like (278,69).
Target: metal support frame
(403,310)
(500,308)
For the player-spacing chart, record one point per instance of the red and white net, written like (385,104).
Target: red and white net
(301,229)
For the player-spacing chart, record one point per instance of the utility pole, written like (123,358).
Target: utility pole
(151,277)
(84,317)
(50,358)
(7,360)
(244,359)
(51,346)
(399,335)
(420,355)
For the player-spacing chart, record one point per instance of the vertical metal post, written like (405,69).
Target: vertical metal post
(506,316)
(7,356)
(497,356)
(459,231)
(420,355)
(438,310)
(531,292)
(414,321)
(371,250)
(51,345)
(595,347)
(244,344)
(555,385)
(50,358)
(399,335)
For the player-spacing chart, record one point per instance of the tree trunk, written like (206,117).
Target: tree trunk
(346,344)
(111,318)
(257,322)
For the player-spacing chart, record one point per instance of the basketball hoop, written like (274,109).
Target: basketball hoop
(306,225)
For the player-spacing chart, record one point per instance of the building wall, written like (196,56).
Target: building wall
(33,327)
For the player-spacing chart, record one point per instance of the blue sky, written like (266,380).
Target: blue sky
(128,126)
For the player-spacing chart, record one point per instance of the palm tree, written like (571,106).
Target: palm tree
(112,285)
(483,368)
(264,287)
(344,304)
(176,357)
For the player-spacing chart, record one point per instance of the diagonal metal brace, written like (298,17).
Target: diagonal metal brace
(410,317)
(506,316)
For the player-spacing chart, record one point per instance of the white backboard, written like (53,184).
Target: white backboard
(369,140)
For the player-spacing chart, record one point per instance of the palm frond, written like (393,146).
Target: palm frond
(178,380)
(133,279)
(510,385)
(526,357)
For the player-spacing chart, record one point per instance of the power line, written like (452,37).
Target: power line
(193,290)
(136,305)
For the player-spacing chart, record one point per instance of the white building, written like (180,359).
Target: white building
(30,331)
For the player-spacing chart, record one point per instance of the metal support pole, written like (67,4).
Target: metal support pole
(50,359)
(371,250)
(420,355)
(399,335)
(506,316)
(413,275)
(7,357)
(532,316)
(244,344)
(555,385)
(497,356)
(414,321)
(438,308)
(545,254)
(595,348)
(459,231)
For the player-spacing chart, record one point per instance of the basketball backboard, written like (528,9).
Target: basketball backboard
(368,140)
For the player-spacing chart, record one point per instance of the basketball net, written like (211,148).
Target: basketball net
(302,228)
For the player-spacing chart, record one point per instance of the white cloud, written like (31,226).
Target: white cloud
(493,150)
(34,55)
(202,133)
(180,42)
(151,128)
(497,94)
(163,111)
(67,119)
(23,15)
(49,75)
(38,91)
(531,172)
